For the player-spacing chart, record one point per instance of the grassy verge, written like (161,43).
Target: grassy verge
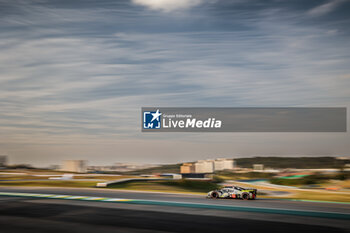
(169,168)
(183,186)
(169,186)
(229,175)
(312,179)
(40,178)
(315,195)
(189,186)
(322,196)
(52,183)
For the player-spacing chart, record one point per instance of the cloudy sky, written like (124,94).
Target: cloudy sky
(75,74)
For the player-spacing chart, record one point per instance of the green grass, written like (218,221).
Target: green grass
(171,185)
(322,196)
(169,168)
(161,185)
(231,175)
(53,183)
(311,179)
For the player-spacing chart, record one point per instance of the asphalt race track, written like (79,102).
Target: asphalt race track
(263,203)
(26,214)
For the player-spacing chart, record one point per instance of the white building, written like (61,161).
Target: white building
(223,164)
(208,166)
(204,166)
(74,166)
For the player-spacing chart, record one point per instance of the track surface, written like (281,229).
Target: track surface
(261,203)
(26,215)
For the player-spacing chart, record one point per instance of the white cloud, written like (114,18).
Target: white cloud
(325,8)
(167,5)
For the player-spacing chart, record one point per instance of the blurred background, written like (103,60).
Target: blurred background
(304,178)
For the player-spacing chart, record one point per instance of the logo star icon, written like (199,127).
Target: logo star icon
(156,115)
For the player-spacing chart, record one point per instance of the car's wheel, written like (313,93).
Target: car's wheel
(245,196)
(214,195)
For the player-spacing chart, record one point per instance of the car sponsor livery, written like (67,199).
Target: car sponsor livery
(234,192)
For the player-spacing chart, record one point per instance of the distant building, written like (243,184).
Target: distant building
(74,166)
(207,166)
(204,166)
(187,168)
(258,167)
(3,160)
(224,164)
(199,167)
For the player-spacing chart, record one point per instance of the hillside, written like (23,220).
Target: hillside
(293,162)
(168,168)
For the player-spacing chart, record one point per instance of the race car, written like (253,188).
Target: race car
(234,192)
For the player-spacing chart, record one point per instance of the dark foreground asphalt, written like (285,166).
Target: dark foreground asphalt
(19,215)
